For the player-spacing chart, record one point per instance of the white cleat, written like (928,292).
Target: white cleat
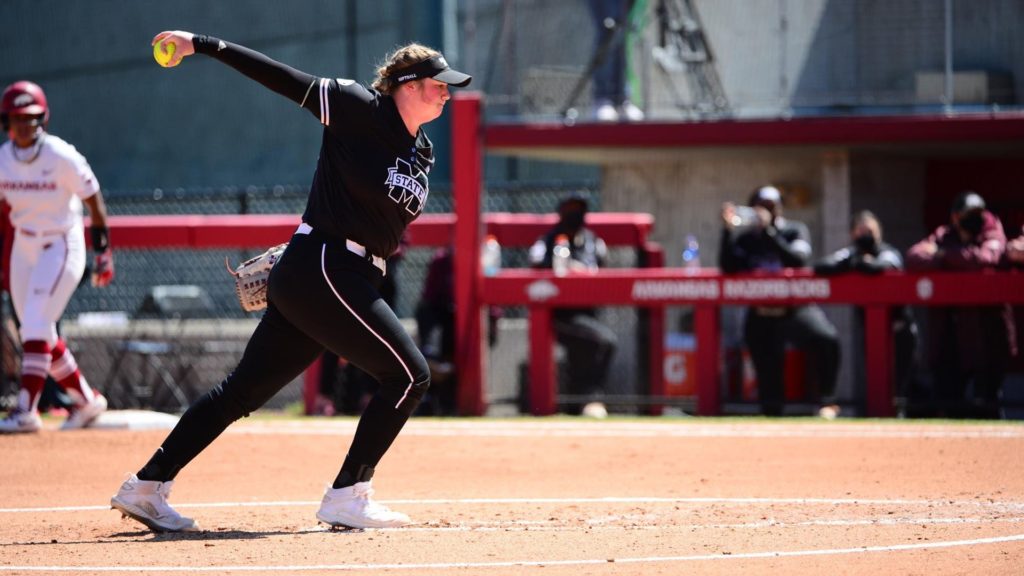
(631,113)
(594,410)
(352,507)
(21,421)
(146,502)
(606,113)
(84,415)
(829,412)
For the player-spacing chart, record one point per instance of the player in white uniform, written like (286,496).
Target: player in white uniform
(45,180)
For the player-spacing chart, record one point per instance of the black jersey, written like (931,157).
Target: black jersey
(786,244)
(371,177)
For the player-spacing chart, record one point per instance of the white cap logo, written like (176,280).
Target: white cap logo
(541,290)
(925,289)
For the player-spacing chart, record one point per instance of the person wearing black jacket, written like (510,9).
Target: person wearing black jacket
(324,293)
(757,238)
(869,254)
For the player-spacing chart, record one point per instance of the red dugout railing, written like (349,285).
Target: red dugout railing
(708,290)
(265,230)
(650,288)
(260,231)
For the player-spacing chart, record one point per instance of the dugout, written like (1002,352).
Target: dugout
(902,167)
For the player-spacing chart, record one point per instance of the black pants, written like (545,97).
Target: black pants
(321,296)
(807,328)
(904,357)
(589,347)
(610,75)
(904,341)
(960,363)
(348,395)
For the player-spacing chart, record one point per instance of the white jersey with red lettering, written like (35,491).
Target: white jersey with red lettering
(44,186)
(45,192)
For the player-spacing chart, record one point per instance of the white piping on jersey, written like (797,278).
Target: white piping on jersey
(325,108)
(308,90)
(323,269)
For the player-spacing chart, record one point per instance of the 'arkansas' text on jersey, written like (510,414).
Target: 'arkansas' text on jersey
(27,186)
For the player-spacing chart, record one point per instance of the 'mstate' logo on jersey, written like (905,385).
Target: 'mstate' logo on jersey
(404,188)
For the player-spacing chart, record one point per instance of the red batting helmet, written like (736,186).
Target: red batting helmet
(24,97)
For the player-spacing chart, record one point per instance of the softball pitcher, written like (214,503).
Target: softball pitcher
(324,292)
(45,180)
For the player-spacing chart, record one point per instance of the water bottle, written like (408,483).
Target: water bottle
(560,255)
(490,256)
(691,254)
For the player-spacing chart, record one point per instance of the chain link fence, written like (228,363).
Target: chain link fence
(145,355)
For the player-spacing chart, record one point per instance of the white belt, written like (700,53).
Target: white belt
(353,247)
(33,233)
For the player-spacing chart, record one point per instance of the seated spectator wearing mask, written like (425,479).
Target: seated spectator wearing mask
(589,344)
(967,344)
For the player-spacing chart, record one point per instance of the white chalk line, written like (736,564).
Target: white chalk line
(531,563)
(609,525)
(1002,506)
(996,505)
(535,428)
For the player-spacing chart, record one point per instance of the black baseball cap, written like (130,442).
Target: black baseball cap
(576,198)
(968,201)
(435,67)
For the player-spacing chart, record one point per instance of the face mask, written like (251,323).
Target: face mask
(572,220)
(972,223)
(865,243)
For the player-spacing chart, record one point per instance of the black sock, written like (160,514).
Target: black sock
(199,426)
(347,478)
(377,430)
(159,468)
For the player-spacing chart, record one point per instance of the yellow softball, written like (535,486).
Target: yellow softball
(163,52)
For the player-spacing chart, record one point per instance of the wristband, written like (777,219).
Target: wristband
(204,44)
(100,238)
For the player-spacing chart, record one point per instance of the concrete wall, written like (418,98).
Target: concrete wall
(893,187)
(687,193)
(778,55)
